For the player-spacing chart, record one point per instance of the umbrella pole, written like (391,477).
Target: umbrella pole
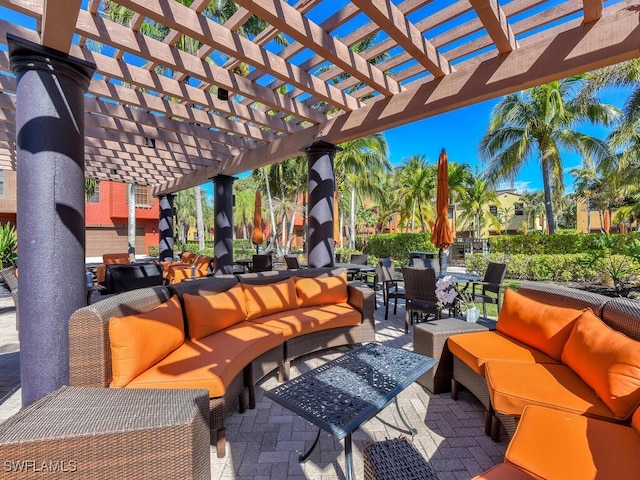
(440,259)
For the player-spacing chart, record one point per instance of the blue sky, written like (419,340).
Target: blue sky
(460,131)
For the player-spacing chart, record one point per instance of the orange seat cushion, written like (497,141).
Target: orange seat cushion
(321,291)
(271,298)
(208,314)
(551,444)
(139,341)
(503,472)
(545,327)
(512,386)
(476,348)
(312,319)
(116,258)
(212,362)
(608,361)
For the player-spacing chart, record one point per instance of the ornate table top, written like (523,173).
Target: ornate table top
(342,394)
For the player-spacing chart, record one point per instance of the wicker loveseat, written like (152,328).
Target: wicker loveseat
(220,333)
(561,365)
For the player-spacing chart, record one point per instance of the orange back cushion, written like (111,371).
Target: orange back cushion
(607,361)
(187,257)
(542,326)
(271,298)
(140,341)
(116,258)
(321,291)
(635,420)
(208,314)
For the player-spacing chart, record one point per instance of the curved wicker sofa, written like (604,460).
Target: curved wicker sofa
(569,397)
(90,354)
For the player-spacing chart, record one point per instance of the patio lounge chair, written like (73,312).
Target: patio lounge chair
(420,293)
(262,263)
(491,285)
(386,275)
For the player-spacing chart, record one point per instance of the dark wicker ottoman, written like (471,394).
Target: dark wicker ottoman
(430,339)
(101,433)
(395,459)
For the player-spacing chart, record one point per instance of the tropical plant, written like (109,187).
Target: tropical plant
(541,122)
(8,245)
(474,200)
(417,188)
(359,166)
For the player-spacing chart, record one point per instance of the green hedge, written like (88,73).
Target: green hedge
(396,245)
(556,244)
(610,269)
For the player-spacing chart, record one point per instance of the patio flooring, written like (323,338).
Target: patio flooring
(264,443)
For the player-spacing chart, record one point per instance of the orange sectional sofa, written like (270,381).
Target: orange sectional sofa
(220,333)
(561,372)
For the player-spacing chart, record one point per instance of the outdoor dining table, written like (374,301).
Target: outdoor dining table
(245,263)
(344,393)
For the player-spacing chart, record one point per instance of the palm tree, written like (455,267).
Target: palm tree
(474,201)
(418,184)
(359,165)
(540,121)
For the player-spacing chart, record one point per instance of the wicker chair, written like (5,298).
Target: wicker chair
(491,285)
(292,262)
(386,276)
(420,293)
(359,259)
(262,263)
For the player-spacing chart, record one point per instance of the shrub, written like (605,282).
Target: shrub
(559,244)
(559,268)
(397,245)
(8,245)
(153,251)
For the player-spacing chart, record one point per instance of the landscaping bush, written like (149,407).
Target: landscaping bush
(559,268)
(396,245)
(153,251)
(8,245)
(562,243)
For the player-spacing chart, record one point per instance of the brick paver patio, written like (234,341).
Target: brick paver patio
(264,443)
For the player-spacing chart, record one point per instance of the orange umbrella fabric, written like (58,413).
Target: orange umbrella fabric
(257,237)
(441,236)
(606,222)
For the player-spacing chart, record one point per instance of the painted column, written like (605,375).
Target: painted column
(165,227)
(223,224)
(321,178)
(51,208)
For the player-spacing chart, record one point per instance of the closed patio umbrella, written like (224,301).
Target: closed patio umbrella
(257,237)
(441,236)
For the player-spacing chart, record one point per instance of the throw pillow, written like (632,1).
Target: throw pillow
(208,314)
(321,291)
(539,325)
(142,340)
(270,298)
(607,361)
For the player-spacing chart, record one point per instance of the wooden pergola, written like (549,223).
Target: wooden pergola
(437,56)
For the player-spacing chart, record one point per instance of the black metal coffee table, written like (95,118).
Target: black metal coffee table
(344,393)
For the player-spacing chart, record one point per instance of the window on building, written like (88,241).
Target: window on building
(518,209)
(493,210)
(142,197)
(1,183)
(95,196)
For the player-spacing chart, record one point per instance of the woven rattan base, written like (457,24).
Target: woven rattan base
(395,459)
(430,339)
(98,433)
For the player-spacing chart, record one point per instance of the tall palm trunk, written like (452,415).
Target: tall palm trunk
(548,204)
(292,221)
(199,217)
(274,233)
(131,223)
(352,240)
